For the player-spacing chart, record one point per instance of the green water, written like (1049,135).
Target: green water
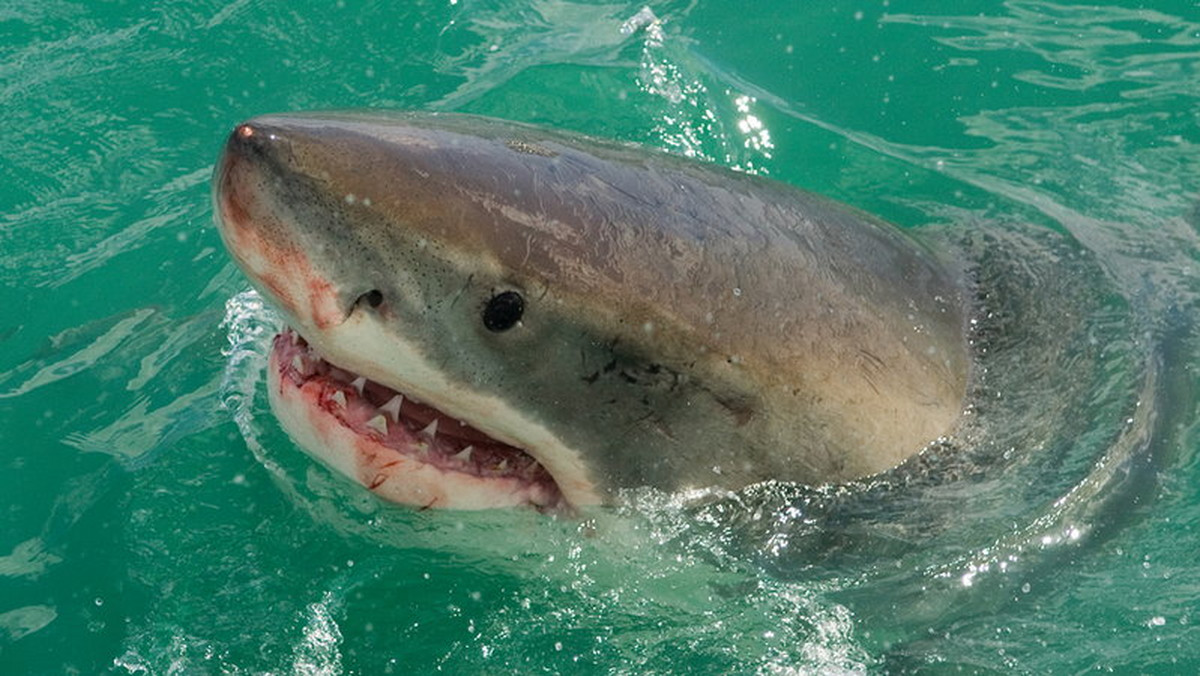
(155,520)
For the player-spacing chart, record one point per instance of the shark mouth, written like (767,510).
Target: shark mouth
(400,449)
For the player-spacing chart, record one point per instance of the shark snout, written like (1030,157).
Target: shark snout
(259,140)
(240,176)
(255,217)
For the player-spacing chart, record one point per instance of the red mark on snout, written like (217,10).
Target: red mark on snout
(265,243)
(253,232)
(323,301)
(279,290)
(233,209)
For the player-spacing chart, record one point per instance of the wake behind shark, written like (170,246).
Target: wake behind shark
(489,314)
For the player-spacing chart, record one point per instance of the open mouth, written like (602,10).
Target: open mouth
(401,449)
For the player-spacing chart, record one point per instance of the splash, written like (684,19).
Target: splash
(694,122)
(318,653)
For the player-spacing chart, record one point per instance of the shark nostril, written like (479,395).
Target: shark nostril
(373,298)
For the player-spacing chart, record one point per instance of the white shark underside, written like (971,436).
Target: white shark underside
(497,315)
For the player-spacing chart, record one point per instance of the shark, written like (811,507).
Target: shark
(484,314)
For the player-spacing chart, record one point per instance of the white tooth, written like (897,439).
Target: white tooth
(359,383)
(502,466)
(297,363)
(393,406)
(465,454)
(340,398)
(379,424)
(295,337)
(431,429)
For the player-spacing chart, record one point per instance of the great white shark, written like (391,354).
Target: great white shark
(485,313)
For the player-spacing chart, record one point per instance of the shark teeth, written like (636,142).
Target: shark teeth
(393,407)
(430,429)
(354,400)
(379,424)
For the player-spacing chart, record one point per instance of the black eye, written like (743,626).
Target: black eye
(503,311)
(373,298)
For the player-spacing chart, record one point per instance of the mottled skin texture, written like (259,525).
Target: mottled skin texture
(685,325)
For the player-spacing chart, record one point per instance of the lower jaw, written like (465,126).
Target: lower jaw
(399,476)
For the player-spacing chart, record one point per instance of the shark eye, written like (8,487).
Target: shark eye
(503,311)
(374,298)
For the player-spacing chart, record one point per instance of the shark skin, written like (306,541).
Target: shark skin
(489,314)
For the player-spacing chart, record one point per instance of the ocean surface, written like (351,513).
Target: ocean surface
(155,520)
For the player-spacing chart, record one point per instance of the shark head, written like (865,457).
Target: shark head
(487,314)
